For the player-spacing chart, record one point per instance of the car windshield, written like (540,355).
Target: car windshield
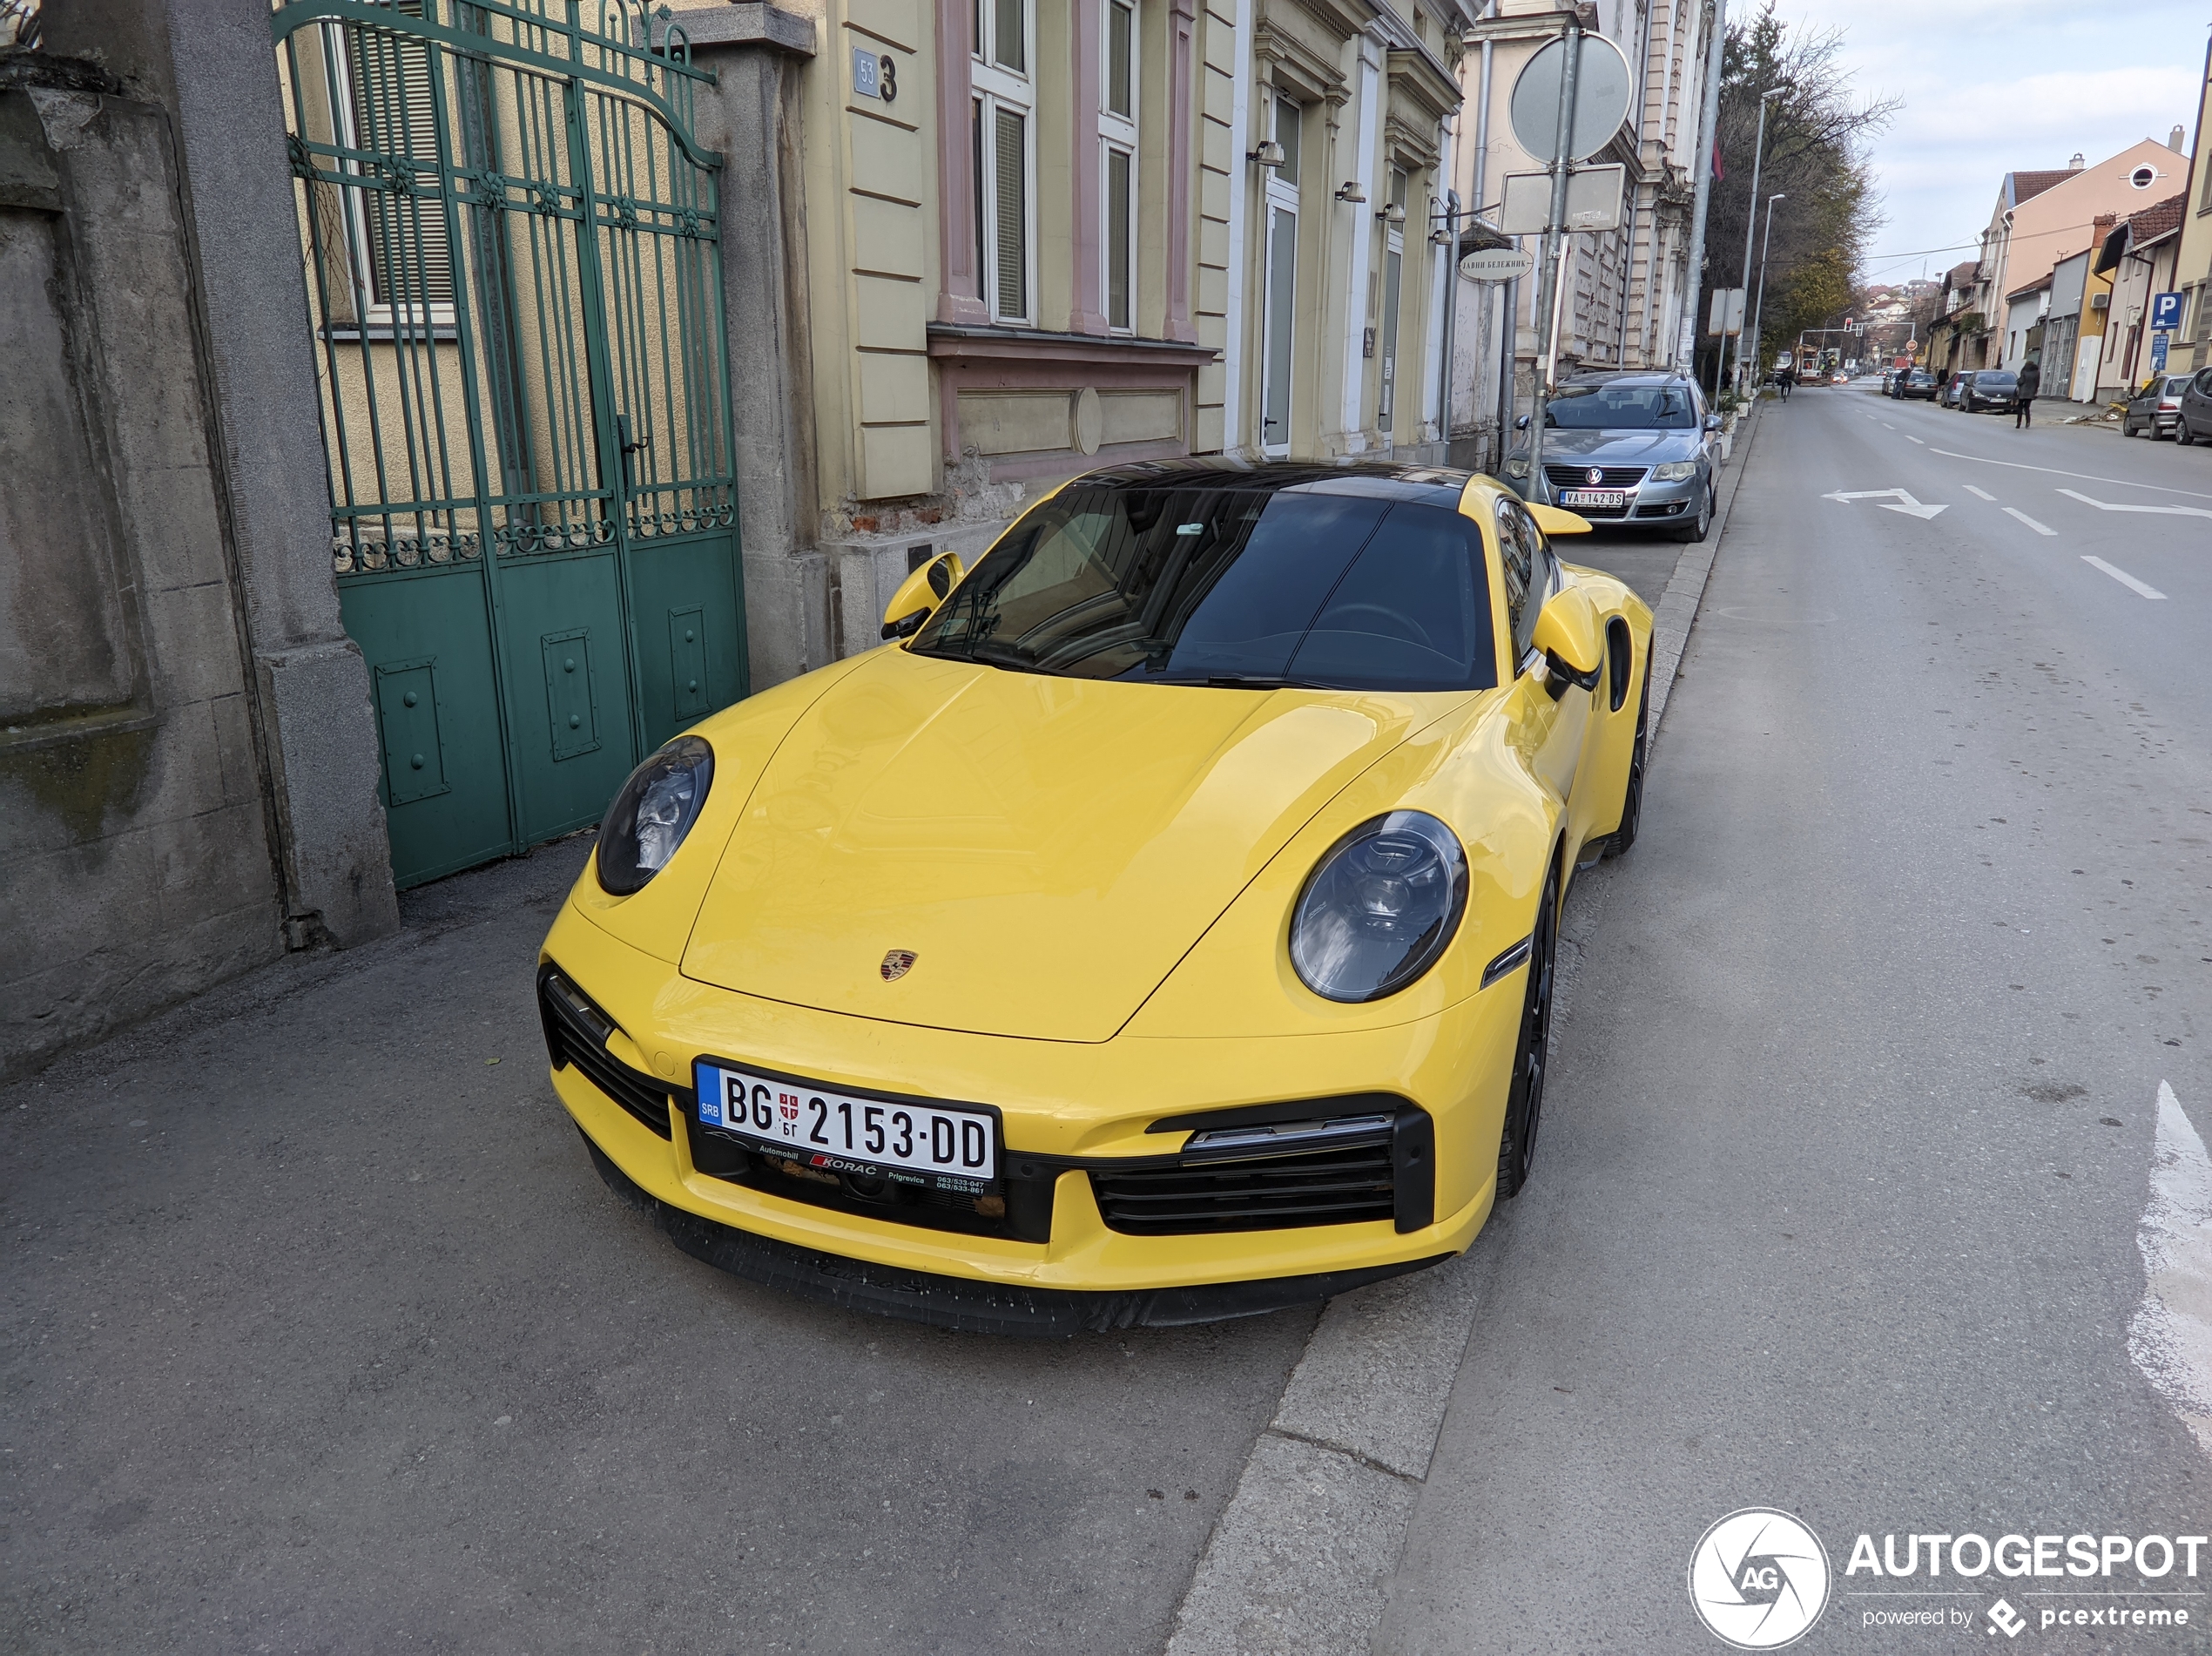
(1327,585)
(2175,388)
(1621,408)
(1993,378)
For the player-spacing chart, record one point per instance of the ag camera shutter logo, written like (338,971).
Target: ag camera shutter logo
(1759,1579)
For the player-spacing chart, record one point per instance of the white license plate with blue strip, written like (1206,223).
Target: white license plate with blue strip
(823,1128)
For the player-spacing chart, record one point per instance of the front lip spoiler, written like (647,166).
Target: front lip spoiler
(974,1307)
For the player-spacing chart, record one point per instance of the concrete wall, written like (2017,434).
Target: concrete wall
(135,862)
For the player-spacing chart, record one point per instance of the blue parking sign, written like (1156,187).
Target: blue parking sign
(2165,312)
(2158,352)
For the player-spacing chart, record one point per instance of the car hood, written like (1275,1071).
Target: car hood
(1619,448)
(1046,849)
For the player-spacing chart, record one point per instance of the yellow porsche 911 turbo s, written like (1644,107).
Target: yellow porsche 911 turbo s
(1159,929)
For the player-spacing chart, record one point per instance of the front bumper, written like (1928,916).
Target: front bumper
(1067,1111)
(1651,504)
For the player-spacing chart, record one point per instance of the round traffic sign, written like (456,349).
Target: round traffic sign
(1601,98)
(1497,264)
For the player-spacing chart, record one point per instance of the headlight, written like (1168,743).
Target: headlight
(1380,908)
(652,814)
(1674,471)
(1516,468)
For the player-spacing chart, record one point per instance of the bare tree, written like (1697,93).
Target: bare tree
(1817,133)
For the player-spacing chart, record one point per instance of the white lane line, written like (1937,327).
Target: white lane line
(2169,1336)
(2086,477)
(2118,505)
(1909,438)
(1983,493)
(2123,578)
(2040,528)
(1886,426)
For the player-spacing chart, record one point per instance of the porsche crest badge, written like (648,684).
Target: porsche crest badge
(897,963)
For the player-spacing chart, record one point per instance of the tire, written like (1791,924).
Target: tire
(2126,429)
(1532,1053)
(2183,437)
(1632,795)
(1701,525)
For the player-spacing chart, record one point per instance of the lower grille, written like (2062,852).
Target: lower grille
(1564,476)
(1347,1184)
(1664,509)
(577,1031)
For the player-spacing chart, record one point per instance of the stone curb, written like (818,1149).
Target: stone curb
(1299,1562)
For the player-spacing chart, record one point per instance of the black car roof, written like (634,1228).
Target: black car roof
(1432,486)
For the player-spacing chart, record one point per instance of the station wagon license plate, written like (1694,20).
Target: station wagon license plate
(1598,499)
(829,1130)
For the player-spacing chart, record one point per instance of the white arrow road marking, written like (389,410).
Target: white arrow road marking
(2171,1335)
(2040,528)
(1903,501)
(2124,577)
(2086,477)
(2118,505)
(1983,493)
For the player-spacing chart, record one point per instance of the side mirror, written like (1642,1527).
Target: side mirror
(1712,422)
(1571,636)
(1521,424)
(1557,520)
(920,594)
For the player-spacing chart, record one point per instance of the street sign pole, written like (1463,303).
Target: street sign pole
(1548,292)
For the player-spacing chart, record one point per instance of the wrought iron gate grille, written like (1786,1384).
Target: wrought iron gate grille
(510,239)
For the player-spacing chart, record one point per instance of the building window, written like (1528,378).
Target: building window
(1281,254)
(384,107)
(1003,146)
(1117,135)
(1393,266)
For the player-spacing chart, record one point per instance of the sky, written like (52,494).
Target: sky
(1997,86)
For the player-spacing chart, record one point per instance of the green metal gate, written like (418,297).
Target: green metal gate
(511,241)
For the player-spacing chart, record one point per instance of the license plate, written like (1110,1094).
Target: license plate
(1604,499)
(833,1130)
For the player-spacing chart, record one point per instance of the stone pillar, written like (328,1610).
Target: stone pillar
(213,64)
(753,117)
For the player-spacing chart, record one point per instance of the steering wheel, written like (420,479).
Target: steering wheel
(1397,623)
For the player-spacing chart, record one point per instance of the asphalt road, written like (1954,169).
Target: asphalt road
(1852,1119)
(318,1333)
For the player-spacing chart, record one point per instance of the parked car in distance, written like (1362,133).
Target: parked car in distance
(1839,379)
(1954,390)
(1919,384)
(1993,391)
(2157,408)
(1635,448)
(2193,421)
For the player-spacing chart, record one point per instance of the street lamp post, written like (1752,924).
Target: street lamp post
(1758,151)
(1758,309)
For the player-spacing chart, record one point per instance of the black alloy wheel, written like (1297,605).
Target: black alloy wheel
(1532,1055)
(1696,529)
(1632,796)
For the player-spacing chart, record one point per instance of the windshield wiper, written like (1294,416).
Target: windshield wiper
(999,655)
(1247,681)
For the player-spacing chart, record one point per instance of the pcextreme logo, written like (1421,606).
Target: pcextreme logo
(1759,1579)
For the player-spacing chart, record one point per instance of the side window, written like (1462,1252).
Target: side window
(1532,573)
(1515,557)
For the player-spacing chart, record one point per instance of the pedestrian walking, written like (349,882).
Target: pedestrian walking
(2031,381)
